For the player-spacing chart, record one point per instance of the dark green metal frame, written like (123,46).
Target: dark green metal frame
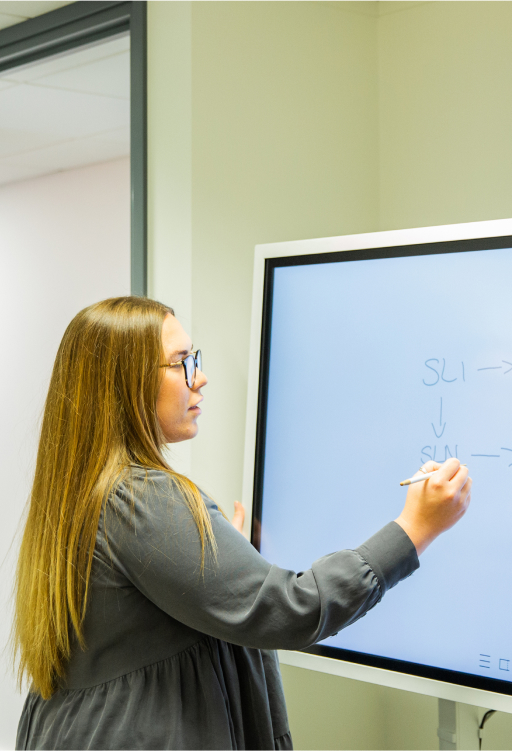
(82,23)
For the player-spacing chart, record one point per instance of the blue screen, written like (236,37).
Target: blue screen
(377,366)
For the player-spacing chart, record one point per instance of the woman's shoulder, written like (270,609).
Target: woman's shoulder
(140,473)
(148,510)
(144,489)
(139,479)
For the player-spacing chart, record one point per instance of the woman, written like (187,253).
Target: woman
(143,618)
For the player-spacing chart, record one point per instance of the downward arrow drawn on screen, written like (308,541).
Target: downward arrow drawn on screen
(440,421)
(442,431)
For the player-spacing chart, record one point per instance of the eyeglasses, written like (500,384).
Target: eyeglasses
(192,363)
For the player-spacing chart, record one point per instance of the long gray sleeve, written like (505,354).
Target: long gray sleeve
(240,597)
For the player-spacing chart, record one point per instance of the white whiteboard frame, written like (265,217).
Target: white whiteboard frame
(393,238)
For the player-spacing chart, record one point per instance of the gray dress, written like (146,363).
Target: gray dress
(177,659)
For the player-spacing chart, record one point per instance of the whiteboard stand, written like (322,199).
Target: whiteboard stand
(458,726)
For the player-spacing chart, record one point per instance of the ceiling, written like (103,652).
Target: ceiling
(16,11)
(65,111)
(19,10)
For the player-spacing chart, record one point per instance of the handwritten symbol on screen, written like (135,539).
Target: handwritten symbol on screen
(439,376)
(496,367)
(441,426)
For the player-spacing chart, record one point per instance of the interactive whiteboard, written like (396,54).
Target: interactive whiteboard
(372,362)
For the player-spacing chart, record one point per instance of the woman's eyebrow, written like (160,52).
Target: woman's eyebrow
(182,352)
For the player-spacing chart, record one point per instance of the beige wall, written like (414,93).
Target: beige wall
(274,121)
(445,113)
(329,712)
(170,169)
(284,146)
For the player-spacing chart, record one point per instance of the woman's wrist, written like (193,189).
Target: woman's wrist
(417,533)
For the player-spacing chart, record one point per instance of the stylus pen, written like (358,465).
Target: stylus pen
(412,480)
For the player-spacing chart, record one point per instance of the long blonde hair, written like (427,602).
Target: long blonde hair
(99,418)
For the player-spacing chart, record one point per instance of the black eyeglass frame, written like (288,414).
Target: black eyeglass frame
(196,359)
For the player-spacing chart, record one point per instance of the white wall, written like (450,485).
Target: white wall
(65,243)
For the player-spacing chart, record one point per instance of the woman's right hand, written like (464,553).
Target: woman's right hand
(433,506)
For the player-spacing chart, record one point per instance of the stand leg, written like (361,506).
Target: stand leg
(458,726)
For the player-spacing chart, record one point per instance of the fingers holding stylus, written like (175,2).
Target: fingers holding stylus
(453,478)
(437,503)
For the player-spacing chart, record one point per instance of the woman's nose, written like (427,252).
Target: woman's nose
(201,380)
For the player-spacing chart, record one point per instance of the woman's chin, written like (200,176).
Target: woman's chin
(184,435)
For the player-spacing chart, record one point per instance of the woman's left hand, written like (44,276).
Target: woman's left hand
(238,519)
